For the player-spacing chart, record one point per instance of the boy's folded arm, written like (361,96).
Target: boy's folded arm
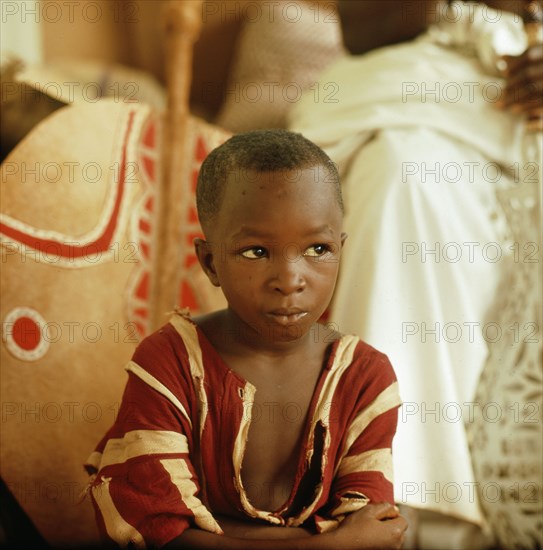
(248,529)
(375,526)
(146,490)
(361,520)
(198,539)
(363,478)
(364,473)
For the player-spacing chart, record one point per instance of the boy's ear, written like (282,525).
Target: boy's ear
(205,257)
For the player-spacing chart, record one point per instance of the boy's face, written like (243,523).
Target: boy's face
(274,249)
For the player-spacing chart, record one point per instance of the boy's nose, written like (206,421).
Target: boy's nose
(288,278)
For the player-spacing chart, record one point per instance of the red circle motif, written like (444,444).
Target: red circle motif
(23,334)
(26,333)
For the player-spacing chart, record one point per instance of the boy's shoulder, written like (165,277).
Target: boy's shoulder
(169,351)
(362,352)
(172,349)
(171,334)
(364,366)
(370,355)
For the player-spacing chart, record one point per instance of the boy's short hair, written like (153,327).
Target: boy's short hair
(270,150)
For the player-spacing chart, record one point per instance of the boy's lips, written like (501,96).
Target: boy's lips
(286,316)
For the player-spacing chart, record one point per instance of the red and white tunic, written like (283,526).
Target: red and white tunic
(173,457)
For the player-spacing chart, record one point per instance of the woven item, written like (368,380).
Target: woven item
(281,50)
(77,228)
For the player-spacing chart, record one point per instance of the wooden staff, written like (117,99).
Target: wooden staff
(182,26)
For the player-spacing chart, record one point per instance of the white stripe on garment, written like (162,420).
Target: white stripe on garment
(181,477)
(158,386)
(375,460)
(143,443)
(327,525)
(116,527)
(342,361)
(348,505)
(237,458)
(188,332)
(385,401)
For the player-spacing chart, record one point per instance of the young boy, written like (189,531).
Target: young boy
(255,426)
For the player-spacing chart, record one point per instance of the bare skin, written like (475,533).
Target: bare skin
(282,399)
(370,24)
(523,73)
(524,86)
(274,249)
(260,218)
(375,527)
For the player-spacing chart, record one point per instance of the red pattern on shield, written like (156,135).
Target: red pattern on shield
(25,334)
(148,161)
(59,250)
(148,156)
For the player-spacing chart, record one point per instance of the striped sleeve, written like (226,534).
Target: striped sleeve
(363,472)
(146,490)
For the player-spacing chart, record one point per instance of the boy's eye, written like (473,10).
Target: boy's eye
(316,250)
(255,253)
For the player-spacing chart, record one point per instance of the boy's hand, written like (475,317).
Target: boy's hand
(523,92)
(376,526)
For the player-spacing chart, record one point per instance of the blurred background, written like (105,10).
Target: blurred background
(105,121)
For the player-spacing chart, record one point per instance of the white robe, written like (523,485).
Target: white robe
(422,149)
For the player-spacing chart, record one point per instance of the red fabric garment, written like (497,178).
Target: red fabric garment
(173,457)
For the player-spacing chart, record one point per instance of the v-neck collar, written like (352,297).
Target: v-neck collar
(306,448)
